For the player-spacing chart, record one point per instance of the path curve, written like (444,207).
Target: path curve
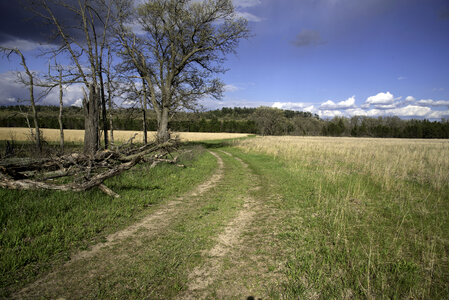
(152,224)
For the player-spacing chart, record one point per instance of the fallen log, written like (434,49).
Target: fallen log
(89,171)
(27,184)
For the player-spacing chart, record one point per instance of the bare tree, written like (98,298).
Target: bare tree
(30,84)
(84,42)
(61,106)
(110,90)
(143,105)
(183,47)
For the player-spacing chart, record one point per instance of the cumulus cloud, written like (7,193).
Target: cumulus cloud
(11,92)
(78,103)
(330,105)
(410,99)
(433,102)
(381,98)
(409,111)
(294,106)
(438,114)
(308,38)
(11,89)
(356,112)
(330,113)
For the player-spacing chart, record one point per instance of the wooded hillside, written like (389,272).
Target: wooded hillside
(242,120)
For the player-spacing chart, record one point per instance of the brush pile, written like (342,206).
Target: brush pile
(78,172)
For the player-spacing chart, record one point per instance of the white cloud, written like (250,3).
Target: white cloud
(402,78)
(406,111)
(230,88)
(410,99)
(346,104)
(293,106)
(381,98)
(433,102)
(12,91)
(438,114)
(78,103)
(330,113)
(386,106)
(249,16)
(410,111)
(356,112)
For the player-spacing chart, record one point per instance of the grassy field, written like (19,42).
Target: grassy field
(72,135)
(289,217)
(362,217)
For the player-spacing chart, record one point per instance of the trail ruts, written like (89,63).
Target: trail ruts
(203,276)
(151,225)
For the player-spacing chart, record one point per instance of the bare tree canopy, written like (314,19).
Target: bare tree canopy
(181,48)
(82,34)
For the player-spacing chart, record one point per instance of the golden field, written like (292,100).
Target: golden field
(387,160)
(71,135)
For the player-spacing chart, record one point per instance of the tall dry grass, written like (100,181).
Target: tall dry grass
(366,218)
(388,160)
(71,135)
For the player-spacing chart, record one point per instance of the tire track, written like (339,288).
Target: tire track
(151,225)
(203,276)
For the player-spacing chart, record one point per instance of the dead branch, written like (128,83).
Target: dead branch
(83,172)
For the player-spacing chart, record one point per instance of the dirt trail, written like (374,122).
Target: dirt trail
(158,219)
(151,225)
(203,276)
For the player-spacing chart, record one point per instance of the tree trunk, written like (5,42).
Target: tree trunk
(61,127)
(103,105)
(111,127)
(91,141)
(144,112)
(162,133)
(33,104)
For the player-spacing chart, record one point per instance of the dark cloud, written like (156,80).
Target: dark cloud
(444,13)
(17,22)
(308,38)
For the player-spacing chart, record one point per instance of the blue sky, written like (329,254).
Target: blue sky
(330,57)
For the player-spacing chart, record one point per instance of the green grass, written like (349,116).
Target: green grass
(319,235)
(348,237)
(40,229)
(157,267)
(160,271)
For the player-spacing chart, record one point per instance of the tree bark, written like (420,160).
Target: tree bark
(144,112)
(103,104)
(162,133)
(111,127)
(61,127)
(91,140)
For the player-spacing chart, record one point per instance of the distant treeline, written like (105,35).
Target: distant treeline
(262,120)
